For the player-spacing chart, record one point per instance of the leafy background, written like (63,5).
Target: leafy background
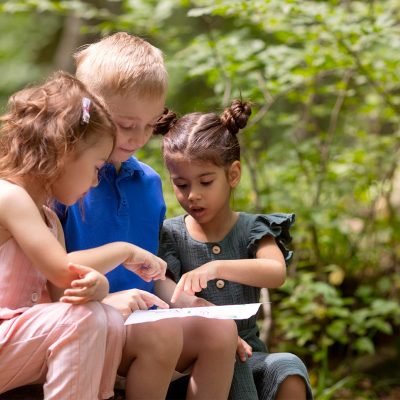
(323,142)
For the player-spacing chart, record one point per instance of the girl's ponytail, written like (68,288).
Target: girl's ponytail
(236,116)
(165,123)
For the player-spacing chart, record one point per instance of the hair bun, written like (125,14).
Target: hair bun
(236,116)
(165,122)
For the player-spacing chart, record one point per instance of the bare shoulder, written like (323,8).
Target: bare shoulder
(9,195)
(14,201)
(11,192)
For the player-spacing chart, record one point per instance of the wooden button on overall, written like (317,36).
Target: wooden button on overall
(216,249)
(220,284)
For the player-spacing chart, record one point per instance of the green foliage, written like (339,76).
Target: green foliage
(83,9)
(320,319)
(18,68)
(323,140)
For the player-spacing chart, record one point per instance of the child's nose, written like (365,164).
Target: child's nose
(193,194)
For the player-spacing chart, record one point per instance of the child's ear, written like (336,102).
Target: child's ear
(234,174)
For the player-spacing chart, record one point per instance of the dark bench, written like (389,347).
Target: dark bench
(177,391)
(31,392)
(35,392)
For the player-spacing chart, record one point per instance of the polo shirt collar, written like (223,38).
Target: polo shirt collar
(128,168)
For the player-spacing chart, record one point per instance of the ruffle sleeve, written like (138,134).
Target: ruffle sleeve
(277,225)
(168,252)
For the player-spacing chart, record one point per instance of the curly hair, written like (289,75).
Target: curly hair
(204,136)
(45,123)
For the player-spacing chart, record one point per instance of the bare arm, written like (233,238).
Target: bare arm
(107,257)
(103,258)
(20,218)
(267,270)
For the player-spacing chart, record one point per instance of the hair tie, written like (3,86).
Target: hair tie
(85,110)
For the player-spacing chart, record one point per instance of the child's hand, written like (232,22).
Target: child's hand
(244,350)
(194,281)
(131,300)
(91,285)
(145,264)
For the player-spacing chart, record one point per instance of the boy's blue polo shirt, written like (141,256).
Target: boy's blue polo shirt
(128,206)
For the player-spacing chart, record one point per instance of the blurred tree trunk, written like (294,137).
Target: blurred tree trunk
(266,310)
(72,36)
(70,40)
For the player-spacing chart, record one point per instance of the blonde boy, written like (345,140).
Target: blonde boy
(129,73)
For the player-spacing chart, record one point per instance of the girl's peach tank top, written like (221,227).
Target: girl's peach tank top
(21,284)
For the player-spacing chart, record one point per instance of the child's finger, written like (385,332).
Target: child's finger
(145,277)
(74,300)
(178,290)
(153,271)
(196,285)
(203,282)
(153,300)
(244,350)
(87,281)
(157,276)
(77,292)
(188,287)
(138,304)
(163,269)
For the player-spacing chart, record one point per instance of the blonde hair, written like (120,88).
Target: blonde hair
(46,123)
(121,64)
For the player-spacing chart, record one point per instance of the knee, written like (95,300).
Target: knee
(94,317)
(89,313)
(88,321)
(292,387)
(217,335)
(227,333)
(115,324)
(295,382)
(284,364)
(163,339)
(164,336)
(292,361)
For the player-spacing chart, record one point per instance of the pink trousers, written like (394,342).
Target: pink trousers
(74,350)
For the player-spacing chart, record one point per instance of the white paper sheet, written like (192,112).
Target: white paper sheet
(239,311)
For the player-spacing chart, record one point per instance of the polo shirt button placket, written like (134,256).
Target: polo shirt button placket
(123,206)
